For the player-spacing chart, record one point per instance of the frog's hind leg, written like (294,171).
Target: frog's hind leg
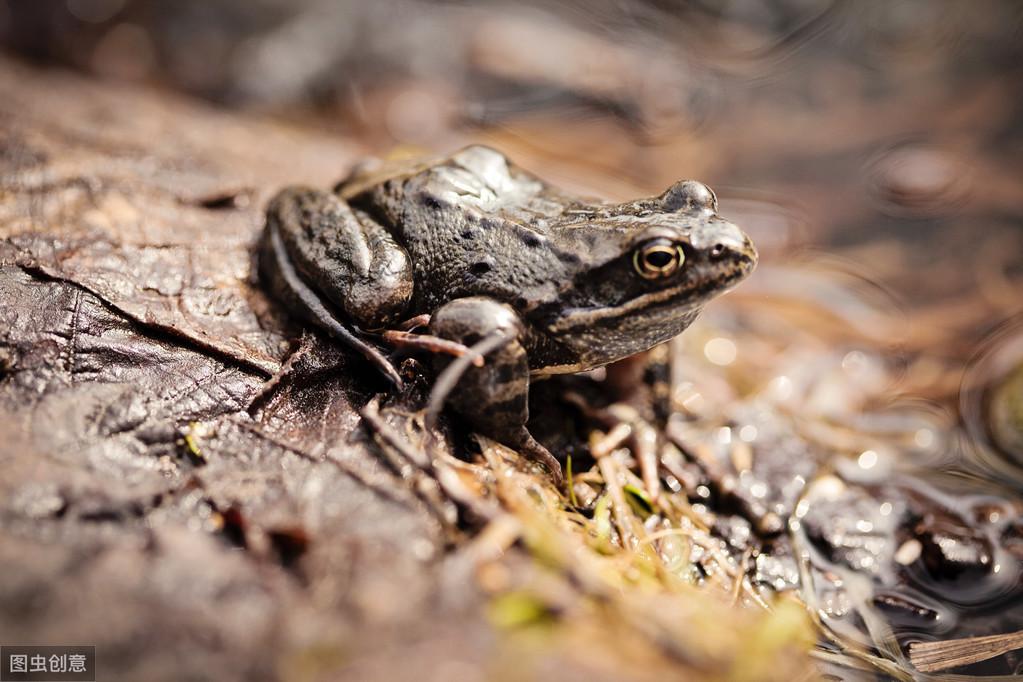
(288,287)
(493,398)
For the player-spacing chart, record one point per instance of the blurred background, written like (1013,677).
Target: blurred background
(880,140)
(872,149)
(892,130)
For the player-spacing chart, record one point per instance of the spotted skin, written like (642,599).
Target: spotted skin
(485,248)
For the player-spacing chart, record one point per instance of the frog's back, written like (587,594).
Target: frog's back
(473,224)
(476,177)
(373,172)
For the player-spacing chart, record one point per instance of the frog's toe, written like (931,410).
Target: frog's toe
(533,450)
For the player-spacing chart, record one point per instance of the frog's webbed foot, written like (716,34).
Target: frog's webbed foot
(493,397)
(290,288)
(525,444)
(307,234)
(336,267)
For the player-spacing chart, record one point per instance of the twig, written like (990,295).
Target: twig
(929,657)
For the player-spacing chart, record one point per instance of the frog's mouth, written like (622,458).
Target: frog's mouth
(663,301)
(658,304)
(587,342)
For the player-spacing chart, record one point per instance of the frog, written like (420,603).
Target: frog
(525,280)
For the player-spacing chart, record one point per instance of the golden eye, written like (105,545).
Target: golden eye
(659,258)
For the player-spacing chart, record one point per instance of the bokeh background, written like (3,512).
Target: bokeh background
(872,149)
(892,130)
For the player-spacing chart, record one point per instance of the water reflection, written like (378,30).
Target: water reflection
(991,403)
(907,536)
(919,180)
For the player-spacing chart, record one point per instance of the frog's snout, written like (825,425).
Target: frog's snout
(741,253)
(728,246)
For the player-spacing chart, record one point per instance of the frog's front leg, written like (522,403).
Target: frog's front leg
(320,256)
(493,397)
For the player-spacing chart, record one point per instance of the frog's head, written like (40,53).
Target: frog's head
(648,268)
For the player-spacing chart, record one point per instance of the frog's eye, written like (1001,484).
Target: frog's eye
(658,258)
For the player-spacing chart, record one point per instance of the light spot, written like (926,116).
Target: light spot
(694,403)
(924,438)
(828,487)
(780,388)
(720,351)
(724,435)
(886,508)
(423,549)
(758,489)
(748,433)
(908,552)
(864,526)
(854,362)
(867,459)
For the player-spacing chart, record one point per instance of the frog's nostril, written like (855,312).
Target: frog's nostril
(717,251)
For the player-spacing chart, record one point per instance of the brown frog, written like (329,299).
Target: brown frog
(498,261)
